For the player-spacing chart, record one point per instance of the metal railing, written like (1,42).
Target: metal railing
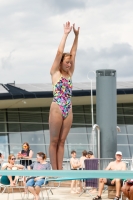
(102,162)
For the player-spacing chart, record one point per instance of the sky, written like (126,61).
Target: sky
(31,30)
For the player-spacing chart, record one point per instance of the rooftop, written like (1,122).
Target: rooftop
(14,95)
(40,90)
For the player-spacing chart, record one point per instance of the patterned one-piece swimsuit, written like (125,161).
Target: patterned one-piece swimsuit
(62,92)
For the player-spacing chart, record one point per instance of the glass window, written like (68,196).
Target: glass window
(45,114)
(45,109)
(129,129)
(89,129)
(15,148)
(77,138)
(130,138)
(36,137)
(120,119)
(78,134)
(4,147)
(37,148)
(35,140)
(3,127)
(78,109)
(131,148)
(88,119)
(47,150)
(15,138)
(119,109)
(13,127)
(80,129)
(122,128)
(78,148)
(128,110)
(127,105)
(31,115)
(129,119)
(87,109)
(13,115)
(78,118)
(30,127)
(125,151)
(47,134)
(122,139)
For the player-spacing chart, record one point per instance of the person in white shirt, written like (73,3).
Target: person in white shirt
(75,164)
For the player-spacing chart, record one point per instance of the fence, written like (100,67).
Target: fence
(102,163)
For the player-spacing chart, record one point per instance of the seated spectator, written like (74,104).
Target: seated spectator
(10,166)
(90,155)
(82,158)
(25,154)
(127,189)
(34,183)
(1,159)
(115,165)
(75,164)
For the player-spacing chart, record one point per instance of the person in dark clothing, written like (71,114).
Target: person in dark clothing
(25,155)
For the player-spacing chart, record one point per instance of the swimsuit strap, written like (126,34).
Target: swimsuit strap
(61,77)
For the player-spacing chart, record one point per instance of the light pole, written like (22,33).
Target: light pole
(92,114)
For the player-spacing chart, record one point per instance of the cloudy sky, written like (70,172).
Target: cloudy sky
(30,31)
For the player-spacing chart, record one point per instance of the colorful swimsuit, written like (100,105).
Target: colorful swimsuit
(62,92)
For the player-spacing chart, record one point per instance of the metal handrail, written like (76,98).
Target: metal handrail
(103,162)
(98,129)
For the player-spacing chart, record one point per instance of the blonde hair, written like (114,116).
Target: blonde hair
(10,156)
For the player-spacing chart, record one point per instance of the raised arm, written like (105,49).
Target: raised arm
(74,48)
(56,65)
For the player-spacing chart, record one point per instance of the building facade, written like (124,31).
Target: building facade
(25,119)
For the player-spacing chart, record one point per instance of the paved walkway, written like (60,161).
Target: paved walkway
(60,193)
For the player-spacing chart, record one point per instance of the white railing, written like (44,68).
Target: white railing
(103,163)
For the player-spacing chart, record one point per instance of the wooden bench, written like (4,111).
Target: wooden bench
(112,192)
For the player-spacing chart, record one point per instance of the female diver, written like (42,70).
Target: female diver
(60,117)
